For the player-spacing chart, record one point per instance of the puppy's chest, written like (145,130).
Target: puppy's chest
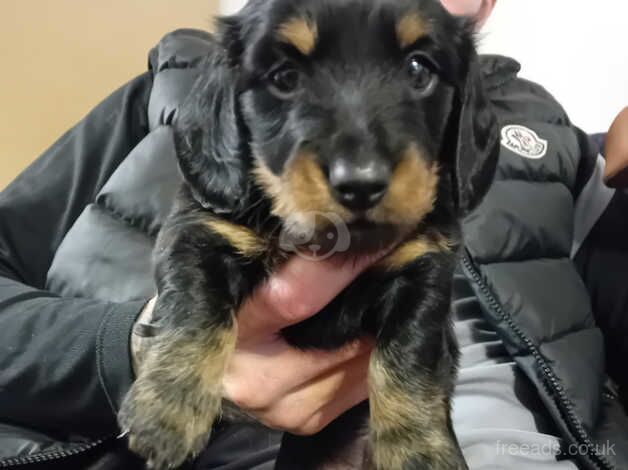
(388,291)
(363,306)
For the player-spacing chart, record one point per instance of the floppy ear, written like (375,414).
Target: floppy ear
(477,144)
(209,133)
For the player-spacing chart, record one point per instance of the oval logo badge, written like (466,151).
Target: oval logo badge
(524,142)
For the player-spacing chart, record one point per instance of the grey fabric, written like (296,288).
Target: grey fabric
(170,89)
(118,255)
(532,287)
(125,193)
(498,415)
(590,205)
(503,223)
(180,49)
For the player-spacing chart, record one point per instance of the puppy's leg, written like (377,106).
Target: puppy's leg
(169,411)
(412,373)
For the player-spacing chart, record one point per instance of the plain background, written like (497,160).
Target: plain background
(574,48)
(60,58)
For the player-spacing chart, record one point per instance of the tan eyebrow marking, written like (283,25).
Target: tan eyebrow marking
(299,32)
(410,28)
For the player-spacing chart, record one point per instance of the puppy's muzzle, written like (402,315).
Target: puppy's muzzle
(359,185)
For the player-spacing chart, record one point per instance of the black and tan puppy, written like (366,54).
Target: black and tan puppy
(370,112)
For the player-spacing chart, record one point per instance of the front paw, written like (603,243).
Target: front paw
(417,457)
(410,421)
(167,424)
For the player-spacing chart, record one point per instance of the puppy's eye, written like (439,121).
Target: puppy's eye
(284,80)
(422,73)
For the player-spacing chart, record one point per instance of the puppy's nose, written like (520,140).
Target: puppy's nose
(359,187)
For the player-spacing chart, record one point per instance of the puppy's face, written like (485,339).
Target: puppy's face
(347,104)
(351,108)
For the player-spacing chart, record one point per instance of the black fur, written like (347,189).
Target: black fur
(354,97)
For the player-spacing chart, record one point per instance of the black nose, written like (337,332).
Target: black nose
(356,186)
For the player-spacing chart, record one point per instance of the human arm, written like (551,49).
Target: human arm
(61,358)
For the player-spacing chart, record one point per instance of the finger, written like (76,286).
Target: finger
(258,377)
(325,388)
(316,404)
(299,290)
(330,363)
(347,398)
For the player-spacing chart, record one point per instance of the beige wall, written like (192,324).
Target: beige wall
(59,58)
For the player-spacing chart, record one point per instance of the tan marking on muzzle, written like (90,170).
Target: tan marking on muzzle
(301,189)
(412,191)
(410,28)
(299,32)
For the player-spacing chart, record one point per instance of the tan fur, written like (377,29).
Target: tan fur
(243,239)
(412,191)
(407,418)
(181,397)
(301,189)
(415,248)
(301,33)
(410,28)
(215,353)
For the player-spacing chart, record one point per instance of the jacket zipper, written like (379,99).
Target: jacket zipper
(49,456)
(551,383)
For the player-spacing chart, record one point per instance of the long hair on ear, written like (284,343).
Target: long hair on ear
(210,136)
(476,137)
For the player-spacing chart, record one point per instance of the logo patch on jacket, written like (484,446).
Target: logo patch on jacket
(524,142)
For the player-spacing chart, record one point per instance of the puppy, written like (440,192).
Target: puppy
(308,114)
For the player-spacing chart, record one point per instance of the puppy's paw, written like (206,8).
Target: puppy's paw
(425,456)
(444,461)
(166,425)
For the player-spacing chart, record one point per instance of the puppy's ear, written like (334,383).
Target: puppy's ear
(477,143)
(209,132)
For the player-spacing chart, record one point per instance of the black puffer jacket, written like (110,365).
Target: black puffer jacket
(77,227)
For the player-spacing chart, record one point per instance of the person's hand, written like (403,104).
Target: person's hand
(283,387)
